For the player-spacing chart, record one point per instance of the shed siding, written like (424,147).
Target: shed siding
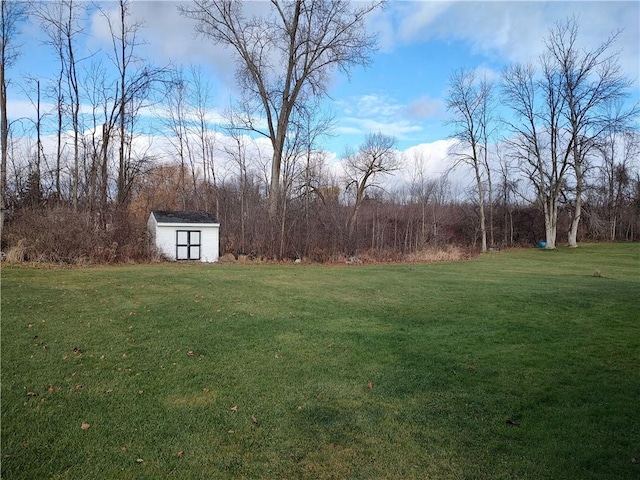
(164,237)
(209,240)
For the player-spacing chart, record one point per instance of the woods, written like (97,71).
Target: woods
(551,147)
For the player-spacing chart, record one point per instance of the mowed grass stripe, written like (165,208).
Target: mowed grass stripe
(521,364)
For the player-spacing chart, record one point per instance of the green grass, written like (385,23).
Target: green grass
(523,364)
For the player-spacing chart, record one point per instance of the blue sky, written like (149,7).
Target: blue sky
(403,92)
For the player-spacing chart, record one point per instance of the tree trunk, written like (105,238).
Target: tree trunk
(5,141)
(551,222)
(483,226)
(274,186)
(575,219)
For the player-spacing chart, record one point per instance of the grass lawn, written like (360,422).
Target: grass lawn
(521,364)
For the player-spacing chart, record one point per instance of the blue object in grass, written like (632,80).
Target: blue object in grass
(541,244)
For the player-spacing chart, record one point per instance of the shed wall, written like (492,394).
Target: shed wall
(165,240)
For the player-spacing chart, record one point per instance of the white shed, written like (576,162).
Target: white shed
(185,235)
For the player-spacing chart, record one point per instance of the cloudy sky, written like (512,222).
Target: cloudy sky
(403,91)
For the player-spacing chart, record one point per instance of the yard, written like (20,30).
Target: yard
(520,364)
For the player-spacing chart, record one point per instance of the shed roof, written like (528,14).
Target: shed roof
(167,216)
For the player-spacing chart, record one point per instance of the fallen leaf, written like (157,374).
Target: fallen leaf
(30,325)
(139,460)
(32,394)
(231,431)
(234,408)
(50,388)
(206,390)
(254,419)
(132,313)
(25,445)
(300,407)
(140,392)
(180,454)
(190,353)
(370,385)
(79,386)
(85,426)
(471,368)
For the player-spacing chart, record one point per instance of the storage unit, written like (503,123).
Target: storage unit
(179,235)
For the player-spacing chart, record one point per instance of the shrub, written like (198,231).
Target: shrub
(60,235)
(16,253)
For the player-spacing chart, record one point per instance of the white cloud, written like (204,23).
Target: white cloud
(511,31)
(433,156)
(382,113)
(165,37)
(396,128)
(426,107)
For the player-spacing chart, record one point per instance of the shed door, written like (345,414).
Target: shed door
(188,245)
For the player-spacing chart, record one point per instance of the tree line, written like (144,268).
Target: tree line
(561,155)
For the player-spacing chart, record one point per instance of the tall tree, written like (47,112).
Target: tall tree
(61,22)
(285,56)
(618,152)
(11,14)
(537,142)
(591,82)
(376,156)
(470,103)
(133,86)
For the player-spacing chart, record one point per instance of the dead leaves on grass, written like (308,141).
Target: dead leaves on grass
(193,353)
(254,418)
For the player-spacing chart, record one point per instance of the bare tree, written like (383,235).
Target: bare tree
(507,190)
(237,151)
(537,142)
(134,85)
(591,82)
(285,57)
(376,156)
(470,103)
(177,124)
(421,190)
(618,152)
(61,21)
(564,113)
(12,13)
(200,99)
